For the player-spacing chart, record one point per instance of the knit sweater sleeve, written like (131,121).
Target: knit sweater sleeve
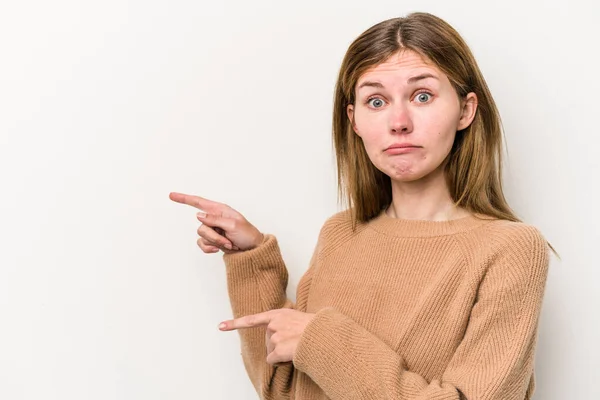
(256,281)
(494,361)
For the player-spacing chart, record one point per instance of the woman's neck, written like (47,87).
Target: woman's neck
(426,199)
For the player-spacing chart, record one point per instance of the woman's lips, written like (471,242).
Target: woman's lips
(401,150)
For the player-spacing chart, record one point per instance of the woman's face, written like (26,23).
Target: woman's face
(406,101)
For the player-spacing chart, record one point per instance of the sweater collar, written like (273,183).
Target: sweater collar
(387,225)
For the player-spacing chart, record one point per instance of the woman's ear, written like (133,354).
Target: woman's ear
(468,110)
(350,113)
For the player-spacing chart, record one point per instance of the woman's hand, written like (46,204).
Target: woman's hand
(284,329)
(223,228)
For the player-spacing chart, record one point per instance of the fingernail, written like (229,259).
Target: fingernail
(201,214)
(222,325)
(228,246)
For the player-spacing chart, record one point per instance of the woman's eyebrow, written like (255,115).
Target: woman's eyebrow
(413,79)
(421,77)
(370,84)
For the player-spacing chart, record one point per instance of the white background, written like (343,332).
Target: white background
(106,107)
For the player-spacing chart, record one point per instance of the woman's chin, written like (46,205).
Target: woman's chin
(403,173)
(406,176)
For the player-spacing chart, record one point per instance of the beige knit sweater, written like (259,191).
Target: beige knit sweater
(405,309)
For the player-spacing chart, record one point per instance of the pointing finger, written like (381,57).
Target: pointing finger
(249,321)
(196,201)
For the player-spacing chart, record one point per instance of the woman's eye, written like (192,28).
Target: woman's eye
(375,102)
(423,97)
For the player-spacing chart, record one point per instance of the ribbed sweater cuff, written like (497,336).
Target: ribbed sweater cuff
(245,264)
(321,350)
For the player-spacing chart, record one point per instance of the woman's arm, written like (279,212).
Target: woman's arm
(493,362)
(257,281)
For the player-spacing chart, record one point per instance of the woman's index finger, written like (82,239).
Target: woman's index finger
(194,201)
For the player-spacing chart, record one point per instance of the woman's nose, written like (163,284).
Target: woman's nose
(400,119)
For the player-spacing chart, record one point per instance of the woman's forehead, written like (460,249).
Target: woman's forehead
(403,67)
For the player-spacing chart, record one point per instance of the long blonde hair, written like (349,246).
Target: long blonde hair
(474,166)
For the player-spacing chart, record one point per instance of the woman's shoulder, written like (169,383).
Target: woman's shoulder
(340,218)
(500,236)
(338,223)
(509,231)
(338,229)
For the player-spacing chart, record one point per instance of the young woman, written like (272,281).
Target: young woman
(428,286)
